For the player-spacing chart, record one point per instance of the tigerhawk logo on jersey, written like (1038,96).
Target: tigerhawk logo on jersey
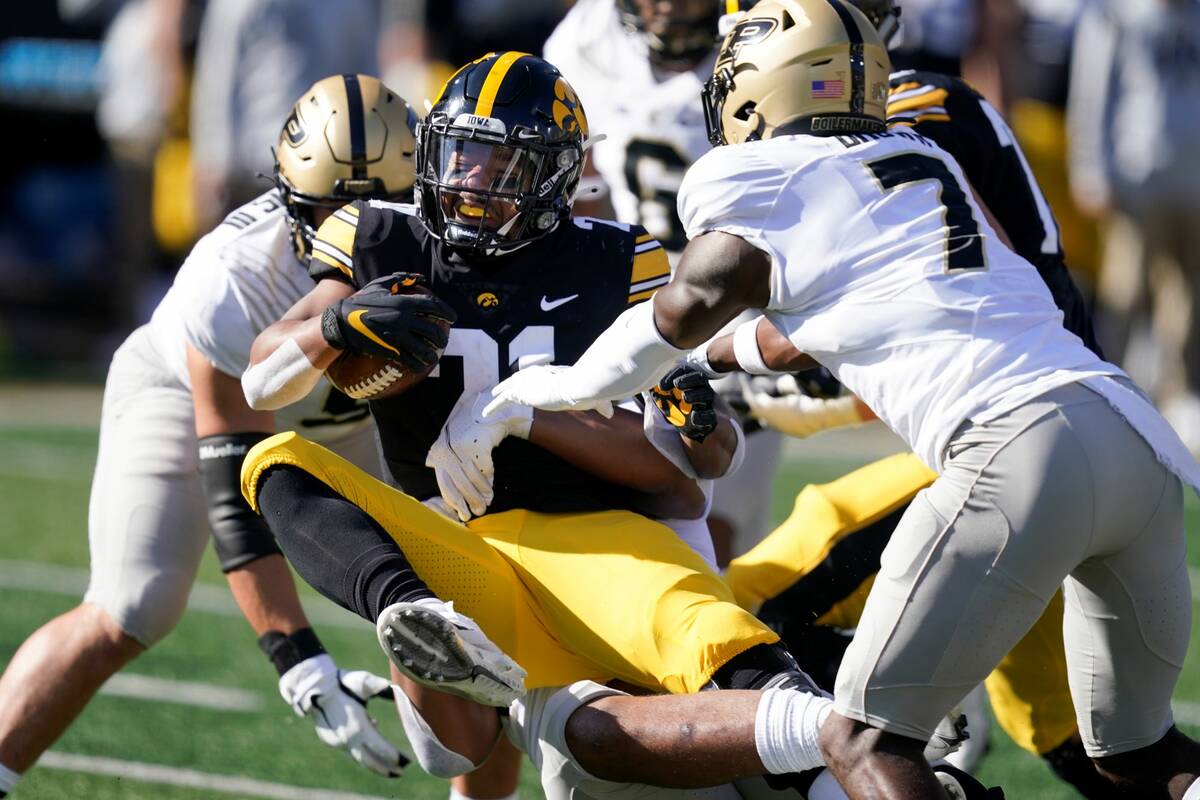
(487,300)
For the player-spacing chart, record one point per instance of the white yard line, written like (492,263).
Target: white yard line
(175,776)
(187,693)
(36,576)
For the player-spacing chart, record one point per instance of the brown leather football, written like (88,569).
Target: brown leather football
(369,378)
(365,377)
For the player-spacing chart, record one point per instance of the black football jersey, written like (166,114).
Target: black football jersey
(545,303)
(948,111)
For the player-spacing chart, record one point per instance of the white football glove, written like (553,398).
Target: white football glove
(336,701)
(544,387)
(461,458)
(798,414)
(626,359)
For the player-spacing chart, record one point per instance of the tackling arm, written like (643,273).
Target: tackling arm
(262,584)
(719,276)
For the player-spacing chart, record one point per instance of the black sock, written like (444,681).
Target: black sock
(334,545)
(1072,765)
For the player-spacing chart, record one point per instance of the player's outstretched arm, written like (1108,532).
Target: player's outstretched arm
(290,355)
(310,682)
(719,276)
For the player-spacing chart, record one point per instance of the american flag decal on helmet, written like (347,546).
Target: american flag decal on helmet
(828,89)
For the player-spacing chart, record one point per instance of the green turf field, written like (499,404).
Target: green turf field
(132,747)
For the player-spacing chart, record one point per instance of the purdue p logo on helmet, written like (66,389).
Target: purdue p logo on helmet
(797,66)
(348,137)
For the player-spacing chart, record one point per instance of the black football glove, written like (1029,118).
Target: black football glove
(685,398)
(383,320)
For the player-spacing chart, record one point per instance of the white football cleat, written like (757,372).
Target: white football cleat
(431,643)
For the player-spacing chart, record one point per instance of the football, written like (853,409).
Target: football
(365,377)
(370,378)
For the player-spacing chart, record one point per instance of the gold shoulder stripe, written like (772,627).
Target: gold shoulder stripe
(491,84)
(645,237)
(338,234)
(640,296)
(331,261)
(350,209)
(649,264)
(932,118)
(935,98)
(904,87)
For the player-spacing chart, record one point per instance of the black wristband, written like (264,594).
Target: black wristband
(331,328)
(286,651)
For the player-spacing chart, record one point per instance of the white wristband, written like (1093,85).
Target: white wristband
(745,349)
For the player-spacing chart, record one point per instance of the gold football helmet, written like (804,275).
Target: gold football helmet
(797,66)
(348,137)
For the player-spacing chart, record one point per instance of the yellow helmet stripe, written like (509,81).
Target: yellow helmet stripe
(731,6)
(450,80)
(495,77)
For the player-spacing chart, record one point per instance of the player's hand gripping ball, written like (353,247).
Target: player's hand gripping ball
(685,398)
(393,331)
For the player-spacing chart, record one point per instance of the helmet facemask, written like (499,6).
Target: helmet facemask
(678,39)
(489,191)
(301,208)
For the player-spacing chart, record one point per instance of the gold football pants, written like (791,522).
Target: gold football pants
(1028,689)
(570,596)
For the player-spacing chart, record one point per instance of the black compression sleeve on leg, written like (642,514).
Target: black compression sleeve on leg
(335,546)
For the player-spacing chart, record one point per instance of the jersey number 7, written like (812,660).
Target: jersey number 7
(964,245)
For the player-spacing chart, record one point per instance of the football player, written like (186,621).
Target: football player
(498,160)
(946,109)
(175,427)
(639,67)
(953,341)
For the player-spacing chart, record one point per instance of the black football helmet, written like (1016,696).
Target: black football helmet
(500,154)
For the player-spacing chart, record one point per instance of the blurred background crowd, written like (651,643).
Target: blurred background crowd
(132,126)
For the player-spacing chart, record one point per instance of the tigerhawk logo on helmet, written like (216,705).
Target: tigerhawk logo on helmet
(783,68)
(348,138)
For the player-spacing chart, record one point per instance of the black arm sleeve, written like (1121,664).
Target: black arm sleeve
(239,535)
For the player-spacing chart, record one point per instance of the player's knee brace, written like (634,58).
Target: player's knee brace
(433,756)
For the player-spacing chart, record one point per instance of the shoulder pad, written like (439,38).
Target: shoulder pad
(650,269)
(333,246)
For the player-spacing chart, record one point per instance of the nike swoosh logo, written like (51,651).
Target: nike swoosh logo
(550,305)
(355,320)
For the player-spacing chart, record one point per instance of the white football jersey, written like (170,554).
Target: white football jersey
(652,120)
(238,279)
(885,270)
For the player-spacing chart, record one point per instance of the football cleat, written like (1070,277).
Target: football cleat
(437,647)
